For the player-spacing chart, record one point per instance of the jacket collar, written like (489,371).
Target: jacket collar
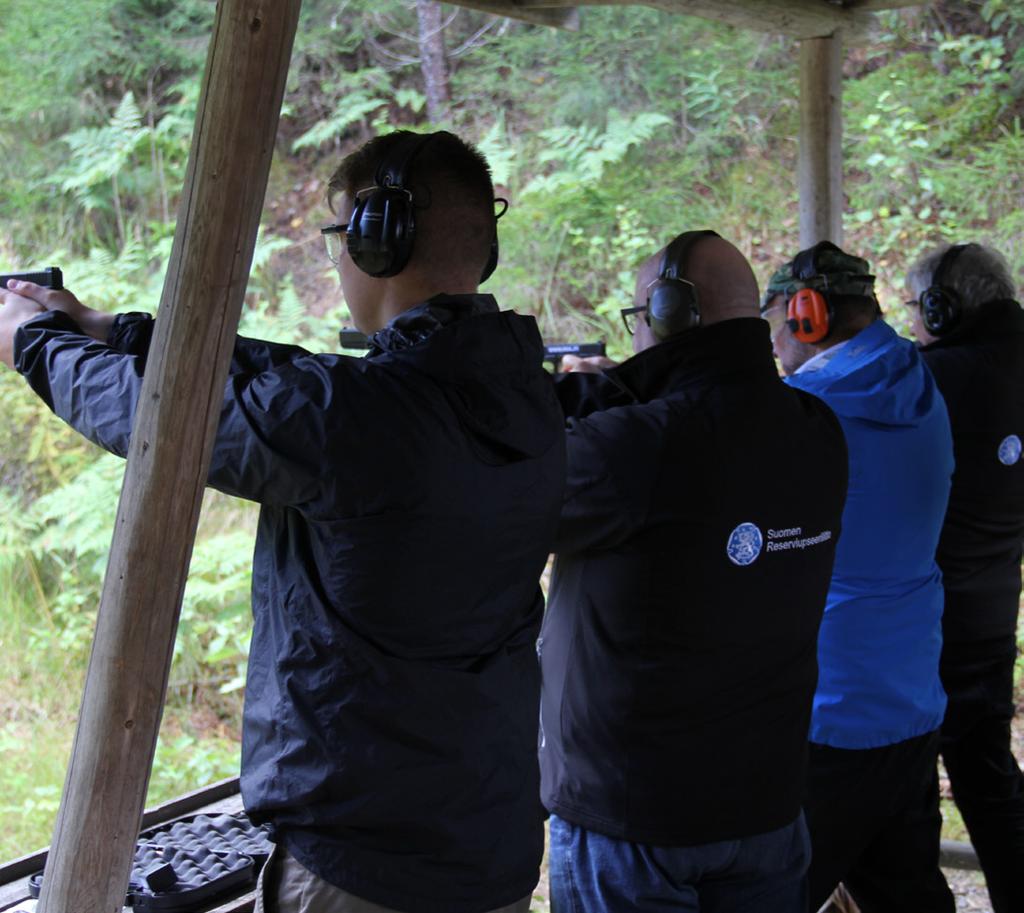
(992,320)
(417,323)
(697,358)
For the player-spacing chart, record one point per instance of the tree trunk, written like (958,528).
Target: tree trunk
(433,60)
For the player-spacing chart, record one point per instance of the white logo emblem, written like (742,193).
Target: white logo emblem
(1009,450)
(744,544)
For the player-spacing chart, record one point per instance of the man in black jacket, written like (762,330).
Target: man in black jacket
(972,336)
(679,648)
(409,502)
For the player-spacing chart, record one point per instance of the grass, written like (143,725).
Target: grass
(189,754)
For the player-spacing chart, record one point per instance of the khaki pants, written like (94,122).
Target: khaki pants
(285,886)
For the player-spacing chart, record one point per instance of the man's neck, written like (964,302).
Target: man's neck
(407,296)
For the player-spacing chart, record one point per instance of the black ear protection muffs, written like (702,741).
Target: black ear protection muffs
(492,258)
(382,228)
(941,304)
(672,305)
(809,313)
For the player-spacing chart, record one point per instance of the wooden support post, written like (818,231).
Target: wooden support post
(820,169)
(236,124)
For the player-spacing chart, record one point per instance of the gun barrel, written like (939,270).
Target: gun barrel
(51,278)
(556,350)
(353,339)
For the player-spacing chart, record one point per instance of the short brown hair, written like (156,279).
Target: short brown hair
(453,194)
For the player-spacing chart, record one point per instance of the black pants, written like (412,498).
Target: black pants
(874,821)
(987,782)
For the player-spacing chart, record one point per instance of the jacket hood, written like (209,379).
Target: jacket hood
(877,376)
(490,364)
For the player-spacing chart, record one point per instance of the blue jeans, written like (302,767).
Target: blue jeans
(591,873)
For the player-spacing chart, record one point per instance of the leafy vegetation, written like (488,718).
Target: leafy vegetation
(607,141)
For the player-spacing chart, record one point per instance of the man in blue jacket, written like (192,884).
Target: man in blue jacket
(409,502)
(872,791)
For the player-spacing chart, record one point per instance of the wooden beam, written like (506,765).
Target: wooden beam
(795,18)
(564,18)
(236,123)
(872,5)
(820,165)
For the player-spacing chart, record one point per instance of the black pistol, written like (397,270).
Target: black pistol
(556,350)
(353,339)
(51,278)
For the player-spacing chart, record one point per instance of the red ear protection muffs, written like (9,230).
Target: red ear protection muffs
(809,315)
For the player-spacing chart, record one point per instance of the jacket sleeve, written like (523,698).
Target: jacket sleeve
(132,333)
(613,463)
(271,433)
(580,394)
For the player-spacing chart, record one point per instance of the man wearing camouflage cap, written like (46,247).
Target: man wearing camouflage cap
(871,799)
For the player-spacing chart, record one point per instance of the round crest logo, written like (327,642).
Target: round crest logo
(1009,450)
(744,544)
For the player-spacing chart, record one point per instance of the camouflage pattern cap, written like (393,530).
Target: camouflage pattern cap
(823,267)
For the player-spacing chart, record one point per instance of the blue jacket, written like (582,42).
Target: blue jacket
(880,640)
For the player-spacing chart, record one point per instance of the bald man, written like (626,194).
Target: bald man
(678,651)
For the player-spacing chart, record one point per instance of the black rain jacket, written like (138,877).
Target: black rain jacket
(409,503)
(694,556)
(979,369)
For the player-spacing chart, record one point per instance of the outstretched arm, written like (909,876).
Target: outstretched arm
(271,427)
(93,323)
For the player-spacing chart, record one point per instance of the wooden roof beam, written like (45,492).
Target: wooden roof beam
(869,5)
(795,18)
(561,16)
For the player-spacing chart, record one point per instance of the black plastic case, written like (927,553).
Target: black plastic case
(191,862)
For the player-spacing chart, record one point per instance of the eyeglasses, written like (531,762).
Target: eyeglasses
(776,316)
(334,239)
(631,317)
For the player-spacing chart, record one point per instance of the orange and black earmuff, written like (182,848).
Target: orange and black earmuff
(809,315)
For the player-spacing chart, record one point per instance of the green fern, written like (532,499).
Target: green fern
(99,154)
(350,110)
(582,154)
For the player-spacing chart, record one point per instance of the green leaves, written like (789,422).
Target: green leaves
(351,109)
(581,154)
(361,98)
(100,153)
